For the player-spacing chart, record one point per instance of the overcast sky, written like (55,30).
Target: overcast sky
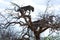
(39,6)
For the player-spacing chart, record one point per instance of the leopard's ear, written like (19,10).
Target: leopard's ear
(32,9)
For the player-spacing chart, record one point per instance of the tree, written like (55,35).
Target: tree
(37,27)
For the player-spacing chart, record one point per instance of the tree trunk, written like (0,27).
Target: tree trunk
(37,35)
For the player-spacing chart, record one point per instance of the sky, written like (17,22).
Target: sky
(39,6)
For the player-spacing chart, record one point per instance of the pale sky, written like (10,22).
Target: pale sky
(39,6)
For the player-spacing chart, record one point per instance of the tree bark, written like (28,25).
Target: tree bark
(37,35)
